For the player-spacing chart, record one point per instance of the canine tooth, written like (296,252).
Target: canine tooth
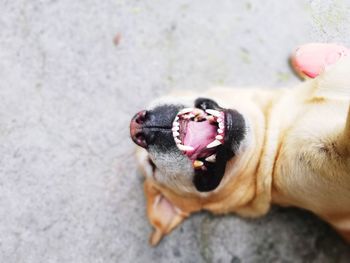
(220,119)
(213,144)
(220,131)
(213,112)
(211,158)
(219,137)
(197,164)
(177,140)
(185,147)
(185,110)
(175,133)
(175,128)
(176,118)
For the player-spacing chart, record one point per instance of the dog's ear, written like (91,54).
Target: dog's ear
(162,214)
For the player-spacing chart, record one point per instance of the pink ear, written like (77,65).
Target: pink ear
(165,217)
(162,214)
(311,59)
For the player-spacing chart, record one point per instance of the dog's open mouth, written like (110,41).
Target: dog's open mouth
(198,133)
(207,134)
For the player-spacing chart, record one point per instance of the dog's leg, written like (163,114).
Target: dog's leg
(162,214)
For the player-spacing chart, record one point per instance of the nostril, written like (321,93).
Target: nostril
(140,136)
(141,117)
(140,139)
(136,129)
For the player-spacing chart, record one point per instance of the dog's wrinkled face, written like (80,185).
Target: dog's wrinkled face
(189,144)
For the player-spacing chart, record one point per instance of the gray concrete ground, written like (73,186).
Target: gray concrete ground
(69,187)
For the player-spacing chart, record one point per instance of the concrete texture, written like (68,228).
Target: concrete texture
(69,187)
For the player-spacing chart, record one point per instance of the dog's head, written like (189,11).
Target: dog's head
(189,142)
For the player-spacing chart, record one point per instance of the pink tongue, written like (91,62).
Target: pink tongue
(199,134)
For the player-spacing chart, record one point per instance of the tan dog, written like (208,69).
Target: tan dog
(288,146)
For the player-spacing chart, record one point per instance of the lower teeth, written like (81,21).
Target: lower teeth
(211,158)
(197,164)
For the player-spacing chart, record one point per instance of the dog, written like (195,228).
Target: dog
(240,150)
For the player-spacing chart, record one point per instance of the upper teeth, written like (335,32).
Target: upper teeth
(185,110)
(213,112)
(219,137)
(184,147)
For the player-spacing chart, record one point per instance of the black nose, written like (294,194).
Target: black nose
(153,127)
(136,133)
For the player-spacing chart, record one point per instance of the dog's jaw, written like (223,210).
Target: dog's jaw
(197,163)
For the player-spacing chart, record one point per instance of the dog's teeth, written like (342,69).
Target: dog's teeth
(219,119)
(177,140)
(221,125)
(188,116)
(175,128)
(210,118)
(185,147)
(175,133)
(213,112)
(197,164)
(219,137)
(175,123)
(220,131)
(176,118)
(185,110)
(211,158)
(213,144)
(197,111)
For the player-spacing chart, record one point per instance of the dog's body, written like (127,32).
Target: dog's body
(296,152)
